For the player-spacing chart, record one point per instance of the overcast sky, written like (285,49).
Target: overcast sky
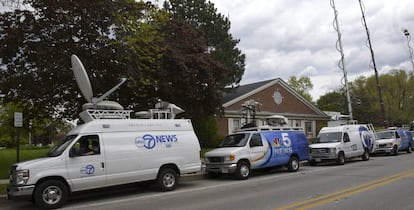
(284,38)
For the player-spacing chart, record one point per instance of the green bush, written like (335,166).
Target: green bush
(206,131)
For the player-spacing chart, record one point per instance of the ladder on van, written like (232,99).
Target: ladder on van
(372,129)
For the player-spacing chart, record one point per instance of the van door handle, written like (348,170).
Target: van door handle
(102,165)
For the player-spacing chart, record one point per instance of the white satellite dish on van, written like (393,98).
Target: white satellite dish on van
(85,87)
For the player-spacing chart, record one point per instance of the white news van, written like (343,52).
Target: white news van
(128,151)
(339,143)
(109,149)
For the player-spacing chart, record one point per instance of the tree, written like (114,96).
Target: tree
(301,85)
(189,75)
(118,40)
(204,18)
(397,93)
(332,101)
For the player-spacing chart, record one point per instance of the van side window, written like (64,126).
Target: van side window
(346,137)
(397,135)
(256,140)
(86,145)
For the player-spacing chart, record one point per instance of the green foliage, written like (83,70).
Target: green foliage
(192,73)
(206,131)
(302,85)
(333,101)
(397,93)
(120,39)
(203,17)
(43,131)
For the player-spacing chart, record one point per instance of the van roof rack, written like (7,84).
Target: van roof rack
(270,128)
(95,114)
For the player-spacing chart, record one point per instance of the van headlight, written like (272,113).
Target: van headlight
(229,158)
(22,176)
(332,150)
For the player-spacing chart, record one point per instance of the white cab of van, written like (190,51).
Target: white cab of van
(339,143)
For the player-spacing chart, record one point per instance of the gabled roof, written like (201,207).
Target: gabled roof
(244,91)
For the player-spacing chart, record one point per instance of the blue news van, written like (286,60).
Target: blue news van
(257,148)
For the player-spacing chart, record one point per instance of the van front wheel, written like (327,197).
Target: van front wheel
(50,194)
(365,156)
(167,179)
(293,164)
(243,170)
(341,158)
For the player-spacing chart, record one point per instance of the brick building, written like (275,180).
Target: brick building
(270,97)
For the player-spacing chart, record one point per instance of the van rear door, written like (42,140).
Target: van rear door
(85,163)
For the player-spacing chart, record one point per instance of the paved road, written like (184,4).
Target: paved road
(384,182)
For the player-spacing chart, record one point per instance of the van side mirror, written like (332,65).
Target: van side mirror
(73,153)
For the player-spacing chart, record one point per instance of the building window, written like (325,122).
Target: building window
(236,124)
(308,127)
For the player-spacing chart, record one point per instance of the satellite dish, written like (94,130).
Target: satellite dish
(85,87)
(82,78)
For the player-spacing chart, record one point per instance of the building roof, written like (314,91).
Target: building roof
(244,91)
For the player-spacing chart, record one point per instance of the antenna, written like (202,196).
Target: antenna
(85,87)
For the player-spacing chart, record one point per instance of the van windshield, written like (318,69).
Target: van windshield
(59,148)
(235,140)
(329,137)
(386,135)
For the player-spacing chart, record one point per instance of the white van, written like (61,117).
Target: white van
(125,151)
(339,143)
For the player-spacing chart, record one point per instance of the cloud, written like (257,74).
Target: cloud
(283,38)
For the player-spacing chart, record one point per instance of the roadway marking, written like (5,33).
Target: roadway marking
(196,189)
(347,192)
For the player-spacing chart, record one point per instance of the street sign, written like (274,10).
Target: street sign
(18,119)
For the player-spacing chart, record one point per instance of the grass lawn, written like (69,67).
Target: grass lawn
(3,190)
(8,157)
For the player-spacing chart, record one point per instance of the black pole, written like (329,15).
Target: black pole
(384,119)
(17,146)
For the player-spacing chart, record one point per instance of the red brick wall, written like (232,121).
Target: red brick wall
(290,104)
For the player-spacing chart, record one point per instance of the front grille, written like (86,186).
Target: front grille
(12,175)
(215,159)
(320,151)
(382,146)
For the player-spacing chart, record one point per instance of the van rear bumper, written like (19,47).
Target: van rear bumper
(221,168)
(20,192)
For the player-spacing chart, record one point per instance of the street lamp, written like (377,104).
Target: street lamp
(410,50)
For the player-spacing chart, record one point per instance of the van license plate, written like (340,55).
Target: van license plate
(318,160)
(224,170)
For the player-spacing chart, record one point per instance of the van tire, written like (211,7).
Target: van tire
(293,164)
(243,170)
(409,149)
(341,158)
(394,150)
(365,156)
(51,194)
(167,179)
